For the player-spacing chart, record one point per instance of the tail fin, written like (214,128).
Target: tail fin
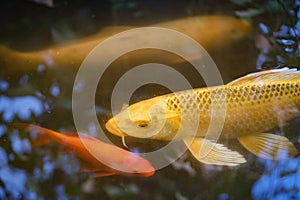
(39,135)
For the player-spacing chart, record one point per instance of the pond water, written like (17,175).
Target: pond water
(36,88)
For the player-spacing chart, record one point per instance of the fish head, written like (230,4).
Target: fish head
(134,165)
(216,31)
(146,119)
(230,27)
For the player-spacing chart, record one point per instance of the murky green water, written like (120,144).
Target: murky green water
(43,96)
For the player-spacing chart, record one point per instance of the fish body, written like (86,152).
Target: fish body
(117,160)
(244,109)
(212,32)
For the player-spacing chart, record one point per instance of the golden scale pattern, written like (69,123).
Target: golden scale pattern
(250,108)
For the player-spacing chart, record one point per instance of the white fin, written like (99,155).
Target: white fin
(213,153)
(268,146)
(283,74)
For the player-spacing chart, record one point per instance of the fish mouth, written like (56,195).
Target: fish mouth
(112,127)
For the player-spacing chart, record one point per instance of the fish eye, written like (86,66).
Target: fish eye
(142,123)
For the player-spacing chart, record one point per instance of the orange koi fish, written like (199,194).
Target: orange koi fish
(118,161)
(212,32)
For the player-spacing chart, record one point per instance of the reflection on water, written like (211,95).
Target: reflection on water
(22,107)
(15,181)
(280,181)
(44,97)
(281,46)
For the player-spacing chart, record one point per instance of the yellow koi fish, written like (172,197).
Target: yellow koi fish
(250,106)
(127,163)
(212,32)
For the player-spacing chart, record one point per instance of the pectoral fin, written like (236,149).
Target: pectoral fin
(96,172)
(102,174)
(269,146)
(213,153)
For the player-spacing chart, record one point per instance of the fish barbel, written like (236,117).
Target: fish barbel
(245,108)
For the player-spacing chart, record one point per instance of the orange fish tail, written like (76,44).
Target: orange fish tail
(39,136)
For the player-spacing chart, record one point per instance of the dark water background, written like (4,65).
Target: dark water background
(44,98)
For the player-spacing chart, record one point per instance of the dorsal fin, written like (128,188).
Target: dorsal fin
(115,28)
(104,33)
(107,31)
(283,74)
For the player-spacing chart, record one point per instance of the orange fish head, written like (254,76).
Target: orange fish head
(137,166)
